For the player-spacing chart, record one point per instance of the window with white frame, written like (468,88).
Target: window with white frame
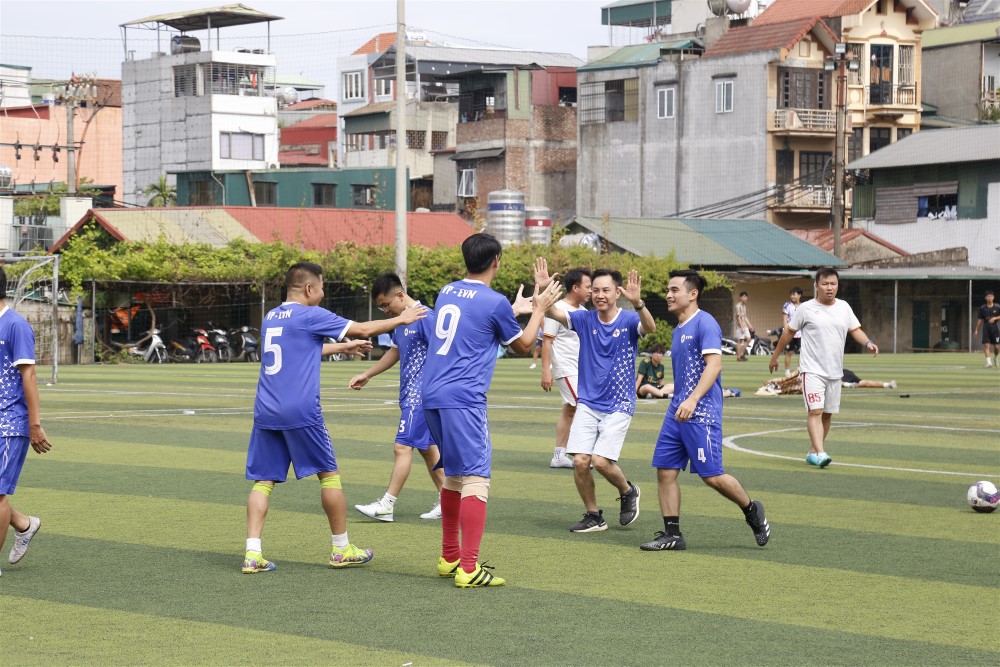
(905,76)
(665,102)
(354,86)
(383,87)
(241,146)
(467,183)
(724,96)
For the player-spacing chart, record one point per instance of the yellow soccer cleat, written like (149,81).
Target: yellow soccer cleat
(350,556)
(478,578)
(254,562)
(446,568)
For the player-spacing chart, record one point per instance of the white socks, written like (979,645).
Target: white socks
(389,499)
(253,544)
(340,541)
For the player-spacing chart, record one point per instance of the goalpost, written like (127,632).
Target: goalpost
(33,291)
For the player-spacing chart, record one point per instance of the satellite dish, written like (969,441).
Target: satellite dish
(289,95)
(717,7)
(738,6)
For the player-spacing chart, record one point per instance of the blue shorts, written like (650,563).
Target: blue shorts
(13,449)
(463,437)
(413,431)
(309,449)
(697,442)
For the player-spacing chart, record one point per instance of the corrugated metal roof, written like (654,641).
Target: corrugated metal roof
(986,31)
(307,228)
(198,19)
(921,273)
(636,55)
(711,243)
(496,57)
(946,146)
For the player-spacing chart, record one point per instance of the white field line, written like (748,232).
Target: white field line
(730,443)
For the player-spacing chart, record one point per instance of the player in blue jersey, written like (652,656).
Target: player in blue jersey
(692,427)
(20,420)
(409,348)
(609,342)
(288,422)
(470,321)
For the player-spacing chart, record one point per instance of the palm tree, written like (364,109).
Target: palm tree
(161,193)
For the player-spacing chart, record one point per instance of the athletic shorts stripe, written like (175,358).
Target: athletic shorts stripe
(412,430)
(13,450)
(567,389)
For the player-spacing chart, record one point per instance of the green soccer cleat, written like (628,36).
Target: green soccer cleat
(447,568)
(254,562)
(478,578)
(350,556)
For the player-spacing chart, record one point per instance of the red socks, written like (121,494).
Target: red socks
(450,508)
(473,522)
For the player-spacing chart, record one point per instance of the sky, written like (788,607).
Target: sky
(57,38)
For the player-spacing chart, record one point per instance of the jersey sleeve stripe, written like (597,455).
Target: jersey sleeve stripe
(343,332)
(512,339)
(23,362)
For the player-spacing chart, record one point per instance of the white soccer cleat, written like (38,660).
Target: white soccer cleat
(434,514)
(376,510)
(22,540)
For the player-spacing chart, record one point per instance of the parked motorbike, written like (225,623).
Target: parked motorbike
(220,341)
(196,348)
(245,344)
(155,352)
(757,345)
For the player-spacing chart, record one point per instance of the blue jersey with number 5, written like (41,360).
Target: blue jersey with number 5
(471,321)
(288,389)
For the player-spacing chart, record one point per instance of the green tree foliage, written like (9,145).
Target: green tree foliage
(46,204)
(161,193)
(664,335)
(92,254)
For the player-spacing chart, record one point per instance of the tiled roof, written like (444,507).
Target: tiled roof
(310,104)
(377,44)
(711,243)
(308,228)
(823,238)
(302,158)
(765,37)
(781,11)
(319,120)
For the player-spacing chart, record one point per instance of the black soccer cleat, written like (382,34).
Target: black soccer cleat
(630,505)
(663,542)
(590,523)
(758,523)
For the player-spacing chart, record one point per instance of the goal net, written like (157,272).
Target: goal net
(33,291)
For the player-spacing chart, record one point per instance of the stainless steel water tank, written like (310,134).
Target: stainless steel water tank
(538,225)
(505,216)
(184,44)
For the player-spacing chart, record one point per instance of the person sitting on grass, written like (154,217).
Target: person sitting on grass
(649,378)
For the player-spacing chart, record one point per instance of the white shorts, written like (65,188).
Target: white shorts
(742,334)
(821,393)
(600,433)
(567,389)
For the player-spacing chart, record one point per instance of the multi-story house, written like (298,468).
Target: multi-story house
(748,128)
(508,115)
(194,108)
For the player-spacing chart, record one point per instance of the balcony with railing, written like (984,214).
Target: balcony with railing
(803,121)
(803,197)
(887,94)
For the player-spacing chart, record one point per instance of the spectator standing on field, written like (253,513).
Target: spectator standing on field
(692,428)
(989,319)
(20,420)
(609,340)
(787,313)
(560,355)
(825,322)
(743,327)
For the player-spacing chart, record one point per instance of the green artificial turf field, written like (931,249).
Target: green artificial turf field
(874,560)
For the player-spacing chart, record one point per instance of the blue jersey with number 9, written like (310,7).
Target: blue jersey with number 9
(288,390)
(471,321)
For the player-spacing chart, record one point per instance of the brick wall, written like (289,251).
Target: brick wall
(554,123)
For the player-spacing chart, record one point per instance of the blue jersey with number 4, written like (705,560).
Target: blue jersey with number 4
(607,359)
(697,336)
(288,389)
(470,321)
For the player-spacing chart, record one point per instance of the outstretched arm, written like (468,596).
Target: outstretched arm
(542,302)
(375,327)
(633,292)
(387,361)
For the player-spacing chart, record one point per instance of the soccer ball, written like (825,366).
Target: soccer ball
(983,497)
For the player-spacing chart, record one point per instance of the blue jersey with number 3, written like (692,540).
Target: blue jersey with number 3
(470,322)
(288,389)
(409,340)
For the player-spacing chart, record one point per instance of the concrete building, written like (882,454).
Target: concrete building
(936,191)
(746,127)
(961,73)
(197,108)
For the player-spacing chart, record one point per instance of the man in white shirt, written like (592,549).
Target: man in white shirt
(824,322)
(560,355)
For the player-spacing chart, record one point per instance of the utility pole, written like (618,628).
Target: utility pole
(402,185)
(840,61)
